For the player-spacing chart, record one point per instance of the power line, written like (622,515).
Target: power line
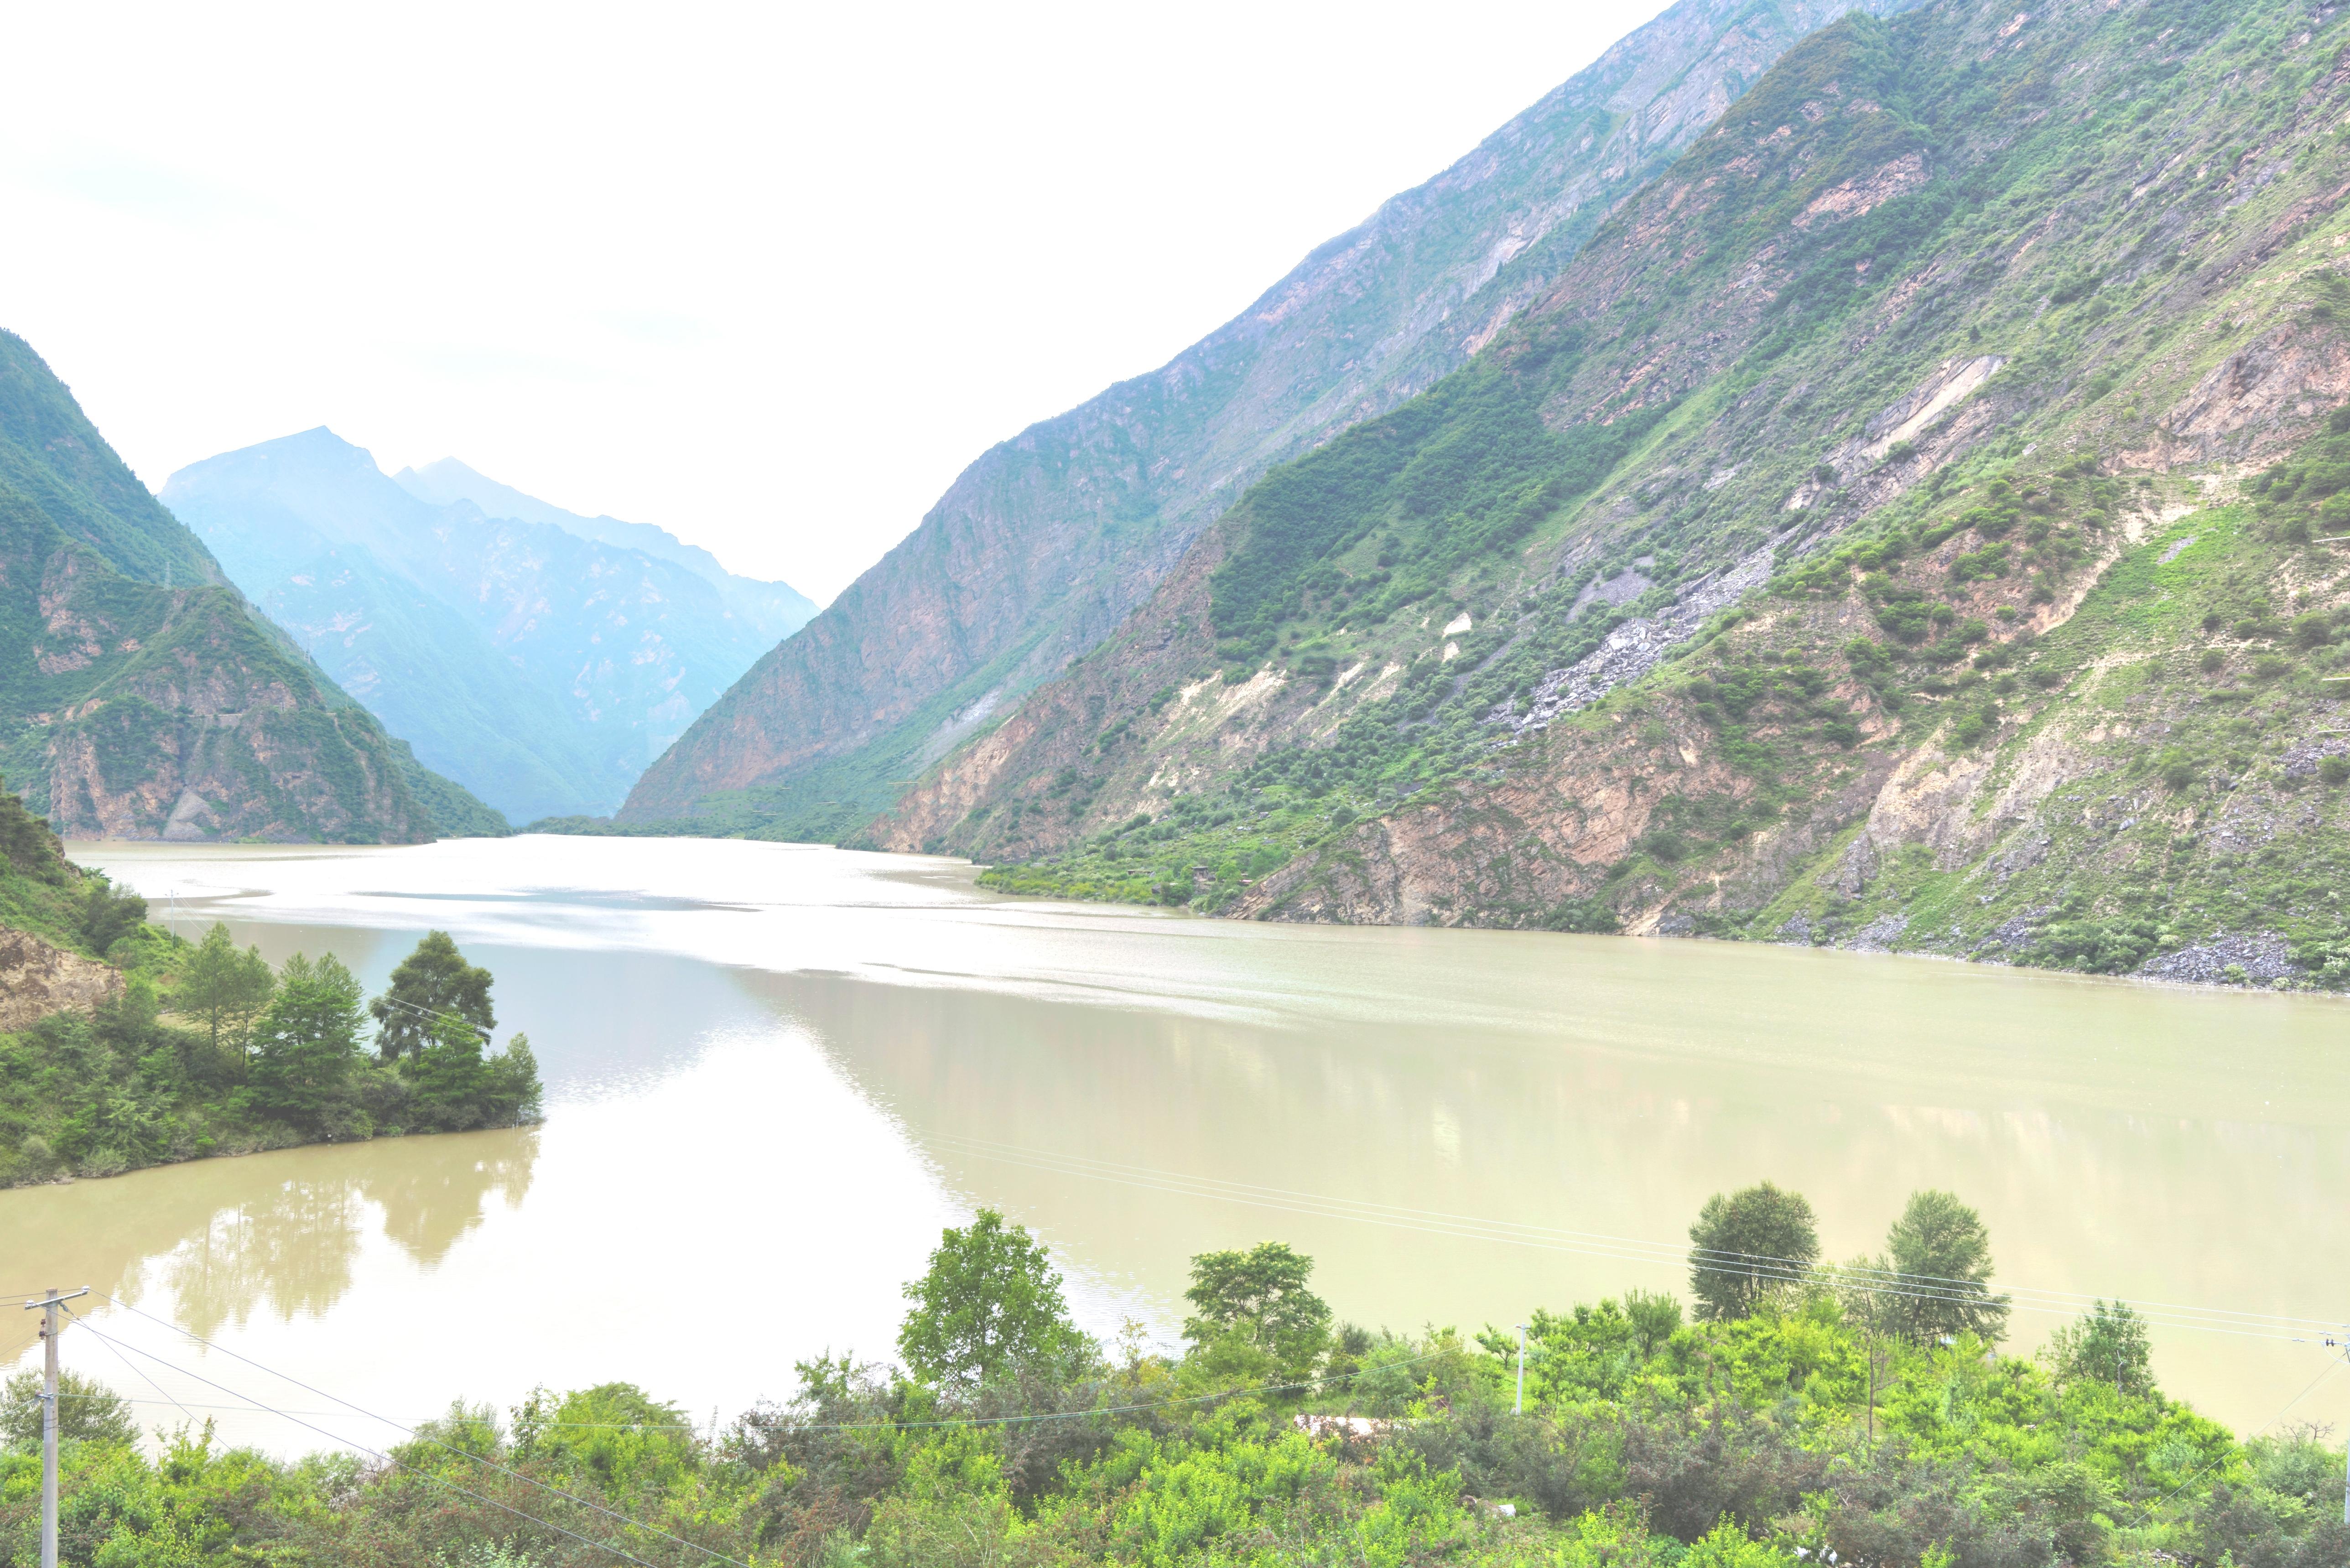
(2146,1511)
(141,1371)
(388,1458)
(795,1426)
(517,1475)
(389,1000)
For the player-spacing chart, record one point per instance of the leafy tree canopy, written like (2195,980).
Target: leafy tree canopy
(434,979)
(87,1411)
(2109,1346)
(1747,1246)
(109,915)
(223,989)
(989,1300)
(306,1043)
(1942,1251)
(1260,1297)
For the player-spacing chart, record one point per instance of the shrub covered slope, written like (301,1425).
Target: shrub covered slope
(1910,523)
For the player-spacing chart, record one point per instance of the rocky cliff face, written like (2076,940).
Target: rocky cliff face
(1911,522)
(540,668)
(148,706)
(1045,545)
(37,979)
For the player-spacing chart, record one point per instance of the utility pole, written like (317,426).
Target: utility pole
(1872,1369)
(52,1324)
(1519,1408)
(2343,1344)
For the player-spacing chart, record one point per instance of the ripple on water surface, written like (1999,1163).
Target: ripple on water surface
(775,1071)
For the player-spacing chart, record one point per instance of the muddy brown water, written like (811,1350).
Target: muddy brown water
(774,1072)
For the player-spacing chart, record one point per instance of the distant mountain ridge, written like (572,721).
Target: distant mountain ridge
(775,609)
(1046,543)
(140,695)
(540,668)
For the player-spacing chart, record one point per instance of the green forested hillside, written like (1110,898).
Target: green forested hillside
(53,456)
(141,696)
(1047,541)
(1876,536)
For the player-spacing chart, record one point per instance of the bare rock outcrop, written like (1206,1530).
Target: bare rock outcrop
(37,978)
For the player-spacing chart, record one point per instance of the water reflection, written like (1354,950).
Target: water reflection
(275,1234)
(1006,1096)
(775,1071)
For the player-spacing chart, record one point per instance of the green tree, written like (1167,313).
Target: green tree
(449,1077)
(87,1411)
(27,843)
(306,1043)
(511,1094)
(989,1300)
(1942,1252)
(434,979)
(107,916)
(2107,1345)
(1260,1298)
(223,989)
(1748,1246)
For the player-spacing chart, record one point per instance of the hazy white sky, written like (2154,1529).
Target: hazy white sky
(766,275)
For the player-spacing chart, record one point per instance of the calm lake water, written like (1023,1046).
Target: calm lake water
(774,1072)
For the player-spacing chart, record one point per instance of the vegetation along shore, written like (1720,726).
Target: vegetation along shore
(122,1046)
(1793,1412)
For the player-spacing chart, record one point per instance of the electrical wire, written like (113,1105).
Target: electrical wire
(795,1426)
(1874,1281)
(143,1372)
(1096,1410)
(379,1454)
(487,1464)
(388,1000)
(2146,1512)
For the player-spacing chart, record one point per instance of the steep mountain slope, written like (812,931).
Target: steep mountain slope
(53,457)
(773,610)
(141,696)
(541,668)
(1047,543)
(1913,522)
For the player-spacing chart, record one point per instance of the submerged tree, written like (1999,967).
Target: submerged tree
(1748,1246)
(430,983)
(989,1300)
(1939,1252)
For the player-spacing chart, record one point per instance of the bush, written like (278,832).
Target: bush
(87,1411)
(2094,947)
(2334,770)
(107,916)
